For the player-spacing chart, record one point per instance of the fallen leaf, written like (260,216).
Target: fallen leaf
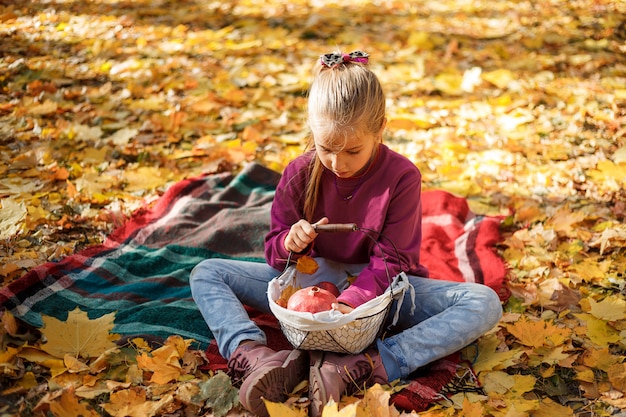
(610,308)
(164,363)
(78,336)
(284,410)
(12,212)
(538,333)
(133,403)
(69,406)
(219,394)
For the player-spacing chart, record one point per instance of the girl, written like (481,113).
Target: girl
(348,176)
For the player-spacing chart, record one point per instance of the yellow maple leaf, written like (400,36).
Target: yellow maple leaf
(598,331)
(537,333)
(307,265)
(68,406)
(78,335)
(488,356)
(471,409)
(376,402)
(503,383)
(612,308)
(332,410)
(284,410)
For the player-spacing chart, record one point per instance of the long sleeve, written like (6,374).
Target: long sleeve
(386,207)
(287,209)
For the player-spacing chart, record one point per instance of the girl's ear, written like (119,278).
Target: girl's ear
(382,128)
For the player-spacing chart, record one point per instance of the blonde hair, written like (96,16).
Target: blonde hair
(344,100)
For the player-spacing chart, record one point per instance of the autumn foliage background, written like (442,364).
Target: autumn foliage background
(516,105)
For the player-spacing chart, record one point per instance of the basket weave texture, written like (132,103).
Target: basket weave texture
(350,333)
(353,337)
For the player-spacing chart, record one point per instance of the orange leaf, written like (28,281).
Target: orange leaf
(307,265)
(61,174)
(68,406)
(537,333)
(72,192)
(133,402)
(164,363)
(285,294)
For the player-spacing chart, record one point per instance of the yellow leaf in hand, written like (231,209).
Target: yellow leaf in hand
(78,335)
(307,265)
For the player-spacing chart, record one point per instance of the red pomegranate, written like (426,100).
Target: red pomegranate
(311,299)
(330,287)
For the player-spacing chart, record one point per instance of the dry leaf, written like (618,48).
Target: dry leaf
(69,406)
(164,363)
(78,336)
(538,333)
(306,265)
(133,403)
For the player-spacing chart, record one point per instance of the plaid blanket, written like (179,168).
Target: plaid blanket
(141,271)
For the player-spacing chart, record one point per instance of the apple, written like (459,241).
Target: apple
(330,287)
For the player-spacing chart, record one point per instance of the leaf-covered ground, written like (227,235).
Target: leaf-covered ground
(517,105)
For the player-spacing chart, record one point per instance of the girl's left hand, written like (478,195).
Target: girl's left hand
(342,308)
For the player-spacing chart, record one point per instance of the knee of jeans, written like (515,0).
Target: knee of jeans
(201,272)
(490,302)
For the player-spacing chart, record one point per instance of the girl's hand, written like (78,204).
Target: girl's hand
(342,308)
(301,235)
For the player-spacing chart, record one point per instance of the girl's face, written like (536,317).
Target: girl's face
(349,157)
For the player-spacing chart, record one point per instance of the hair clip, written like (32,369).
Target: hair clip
(334,59)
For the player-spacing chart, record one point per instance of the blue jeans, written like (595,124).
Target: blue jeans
(448,315)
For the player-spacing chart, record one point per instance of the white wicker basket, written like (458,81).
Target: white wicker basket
(330,330)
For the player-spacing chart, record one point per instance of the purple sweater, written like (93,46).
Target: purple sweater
(386,199)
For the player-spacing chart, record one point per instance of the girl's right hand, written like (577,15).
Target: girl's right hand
(301,235)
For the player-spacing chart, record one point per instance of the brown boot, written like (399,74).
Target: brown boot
(266,374)
(333,375)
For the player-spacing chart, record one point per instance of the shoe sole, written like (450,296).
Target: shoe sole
(317,392)
(273,384)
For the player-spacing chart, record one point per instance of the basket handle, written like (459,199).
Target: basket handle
(336,227)
(352,227)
